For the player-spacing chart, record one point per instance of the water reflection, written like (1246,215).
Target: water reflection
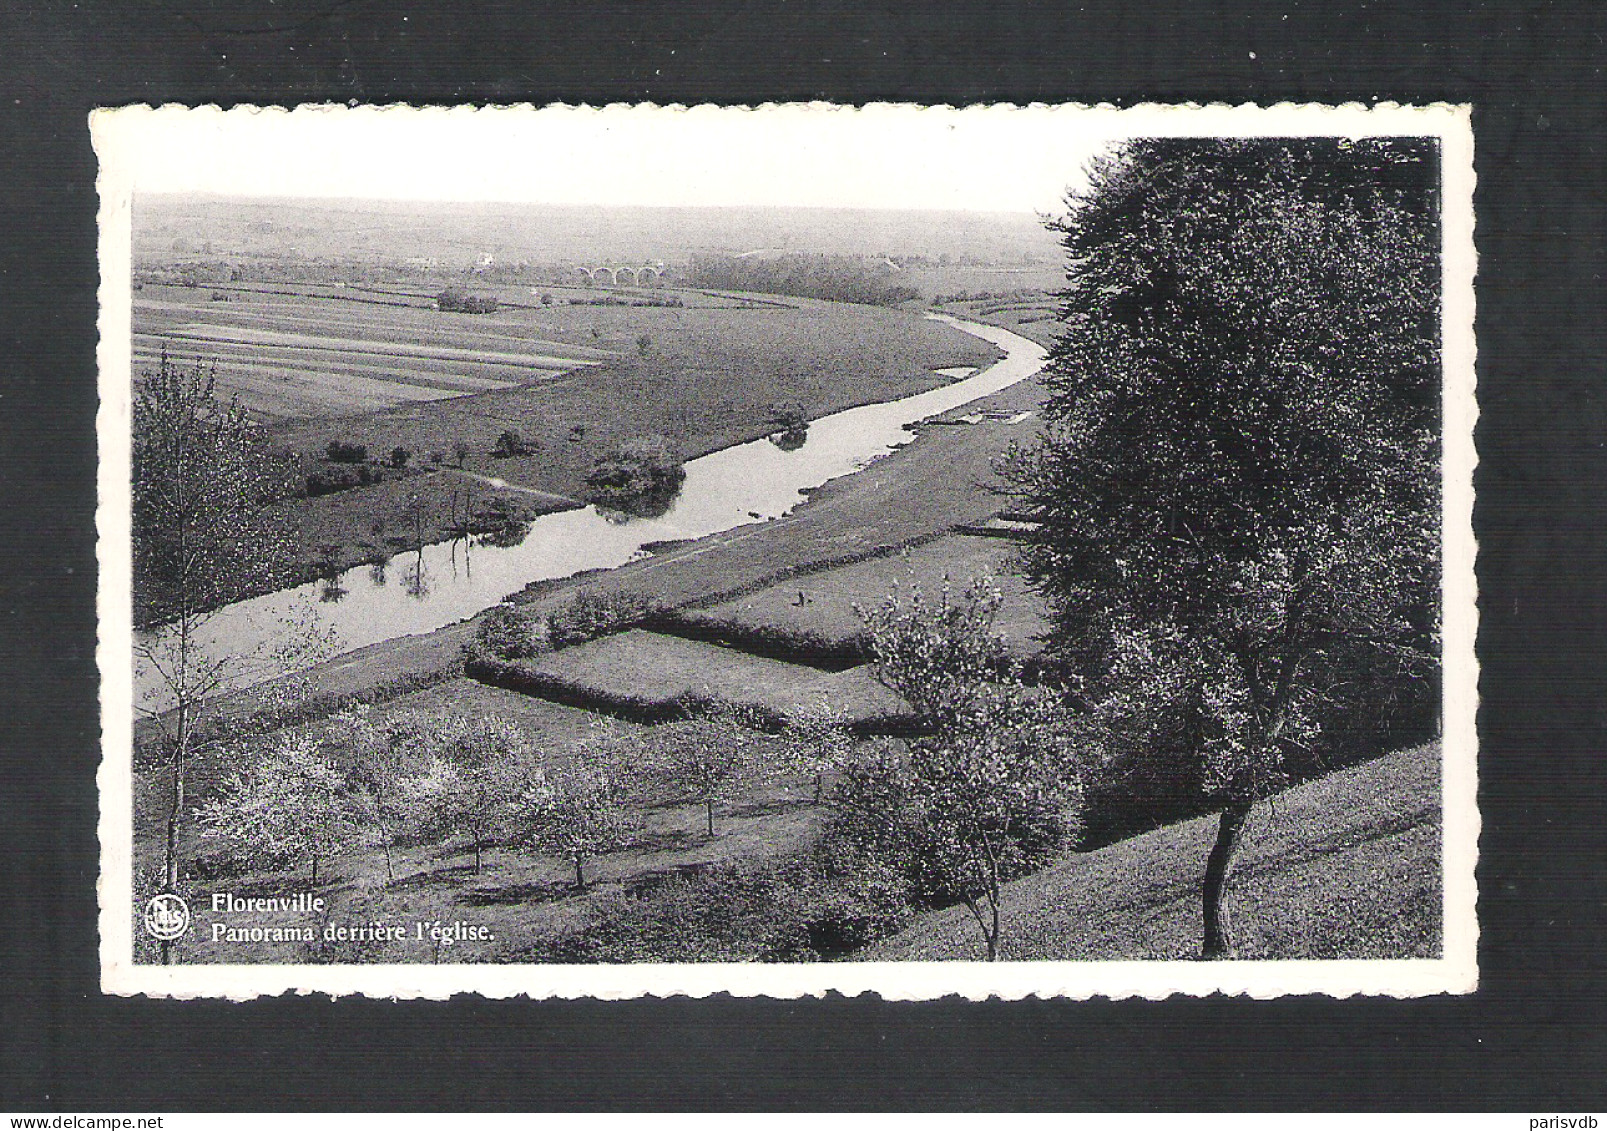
(463,571)
(509,535)
(330,576)
(734,487)
(791,439)
(416,579)
(656,502)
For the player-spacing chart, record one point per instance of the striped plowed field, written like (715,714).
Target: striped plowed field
(302,390)
(324,357)
(332,354)
(336,321)
(282,333)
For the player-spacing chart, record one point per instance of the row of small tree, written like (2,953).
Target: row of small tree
(364,783)
(481,781)
(839,278)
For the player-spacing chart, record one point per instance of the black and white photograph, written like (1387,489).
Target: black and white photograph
(606,552)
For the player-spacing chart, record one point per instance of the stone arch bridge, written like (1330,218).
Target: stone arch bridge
(645,275)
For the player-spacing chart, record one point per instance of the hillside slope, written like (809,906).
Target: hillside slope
(1347,866)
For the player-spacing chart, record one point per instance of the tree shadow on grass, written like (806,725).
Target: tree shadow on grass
(1337,843)
(656,804)
(269,887)
(515,893)
(651,880)
(668,840)
(451,875)
(767,808)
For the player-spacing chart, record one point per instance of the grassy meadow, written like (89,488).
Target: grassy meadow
(1345,866)
(704,377)
(641,671)
(822,608)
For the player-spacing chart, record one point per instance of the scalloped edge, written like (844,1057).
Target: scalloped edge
(1454,973)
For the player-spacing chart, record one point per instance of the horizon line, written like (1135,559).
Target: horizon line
(214,194)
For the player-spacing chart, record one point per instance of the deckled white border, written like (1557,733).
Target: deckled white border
(1455,972)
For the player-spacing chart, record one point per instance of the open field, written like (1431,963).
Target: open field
(823,607)
(646,674)
(1346,866)
(318,350)
(315,353)
(703,377)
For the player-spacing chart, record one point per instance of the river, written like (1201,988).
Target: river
(419,592)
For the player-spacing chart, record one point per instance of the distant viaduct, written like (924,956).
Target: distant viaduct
(649,274)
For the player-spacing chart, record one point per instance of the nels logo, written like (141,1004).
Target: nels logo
(167,916)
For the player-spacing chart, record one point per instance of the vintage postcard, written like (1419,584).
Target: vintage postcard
(993,551)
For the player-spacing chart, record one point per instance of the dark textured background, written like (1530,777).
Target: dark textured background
(1530,1040)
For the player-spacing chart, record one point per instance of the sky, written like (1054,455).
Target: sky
(990,159)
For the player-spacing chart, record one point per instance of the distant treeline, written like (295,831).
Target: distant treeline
(839,278)
(1023,293)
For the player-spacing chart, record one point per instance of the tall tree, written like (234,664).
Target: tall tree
(815,742)
(710,756)
(1238,477)
(201,473)
(992,790)
(376,756)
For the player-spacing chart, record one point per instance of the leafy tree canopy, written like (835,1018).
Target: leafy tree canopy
(202,473)
(1239,473)
(993,789)
(1238,477)
(291,803)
